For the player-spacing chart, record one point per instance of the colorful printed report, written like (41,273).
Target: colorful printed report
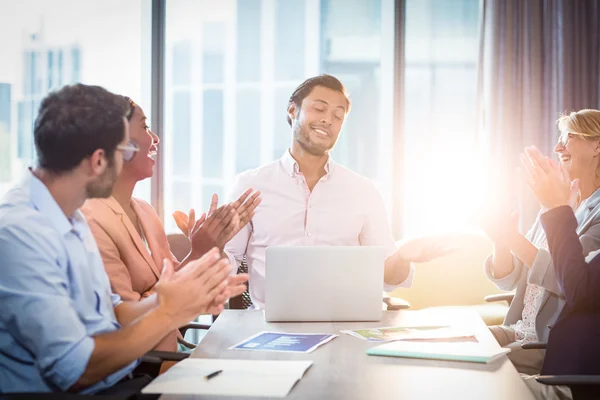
(284,342)
(430,333)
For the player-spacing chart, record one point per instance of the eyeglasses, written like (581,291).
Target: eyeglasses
(128,150)
(565,137)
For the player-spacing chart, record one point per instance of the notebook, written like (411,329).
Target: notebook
(467,351)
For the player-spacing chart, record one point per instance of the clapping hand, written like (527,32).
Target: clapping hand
(222,223)
(548,180)
(185,222)
(200,287)
(424,249)
(244,206)
(500,227)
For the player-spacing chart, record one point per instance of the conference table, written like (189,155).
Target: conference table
(343,370)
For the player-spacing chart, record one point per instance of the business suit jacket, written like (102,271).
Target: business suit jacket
(132,269)
(574,341)
(542,272)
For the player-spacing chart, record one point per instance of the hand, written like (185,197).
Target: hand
(234,288)
(197,288)
(211,232)
(186,223)
(220,227)
(501,228)
(424,249)
(548,180)
(244,206)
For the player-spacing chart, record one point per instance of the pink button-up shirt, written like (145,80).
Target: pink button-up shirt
(344,209)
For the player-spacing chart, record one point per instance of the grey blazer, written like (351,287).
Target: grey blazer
(542,273)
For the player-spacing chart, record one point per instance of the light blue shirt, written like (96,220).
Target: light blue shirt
(54,294)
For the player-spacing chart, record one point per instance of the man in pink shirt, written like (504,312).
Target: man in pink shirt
(309,200)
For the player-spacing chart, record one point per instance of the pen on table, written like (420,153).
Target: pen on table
(213,374)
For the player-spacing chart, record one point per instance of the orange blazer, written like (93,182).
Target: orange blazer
(132,269)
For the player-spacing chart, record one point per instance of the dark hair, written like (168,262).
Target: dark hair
(74,122)
(132,105)
(308,85)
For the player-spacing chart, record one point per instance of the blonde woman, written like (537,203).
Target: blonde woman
(523,262)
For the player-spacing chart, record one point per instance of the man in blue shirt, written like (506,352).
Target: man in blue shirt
(61,328)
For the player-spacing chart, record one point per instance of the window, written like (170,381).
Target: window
(290,44)
(230,67)
(361,55)
(248,17)
(241,61)
(212,142)
(182,113)
(441,162)
(51,73)
(283,132)
(213,57)
(247,149)
(5,129)
(102,46)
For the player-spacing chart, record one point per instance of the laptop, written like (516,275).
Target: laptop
(323,283)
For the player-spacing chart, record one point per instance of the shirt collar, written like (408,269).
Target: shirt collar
(44,202)
(291,167)
(593,200)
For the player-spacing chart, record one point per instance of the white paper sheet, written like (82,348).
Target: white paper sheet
(239,377)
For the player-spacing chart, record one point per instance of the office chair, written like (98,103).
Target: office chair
(508,297)
(75,396)
(583,387)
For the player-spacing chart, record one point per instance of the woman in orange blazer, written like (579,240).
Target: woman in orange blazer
(130,236)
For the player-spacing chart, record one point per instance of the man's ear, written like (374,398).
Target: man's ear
(292,111)
(98,162)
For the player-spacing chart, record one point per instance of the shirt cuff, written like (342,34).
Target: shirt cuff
(115,299)
(539,268)
(67,370)
(233,262)
(506,283)
(407,283)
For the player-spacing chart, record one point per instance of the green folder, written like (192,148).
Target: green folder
(453,351)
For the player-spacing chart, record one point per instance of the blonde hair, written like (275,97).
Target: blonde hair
(584,123)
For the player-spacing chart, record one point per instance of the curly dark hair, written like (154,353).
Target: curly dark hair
(306,87)
(74,122)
